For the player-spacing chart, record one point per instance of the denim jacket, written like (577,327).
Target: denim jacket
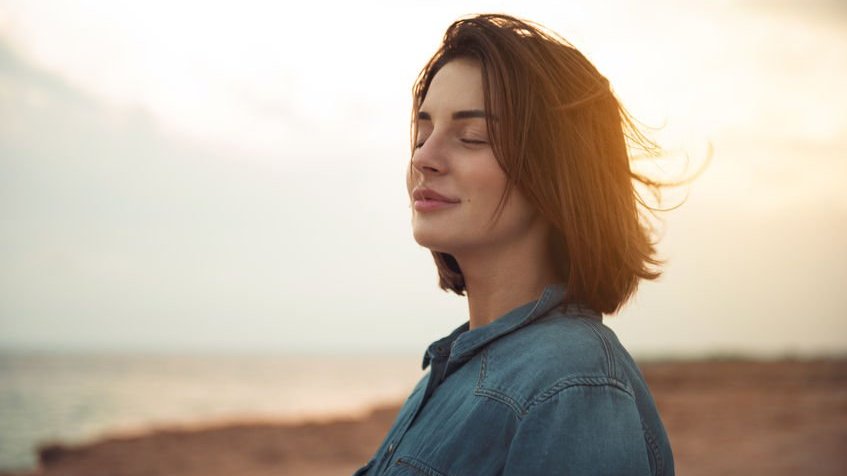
(536,392)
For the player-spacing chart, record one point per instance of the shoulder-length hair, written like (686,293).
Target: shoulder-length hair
(563,139)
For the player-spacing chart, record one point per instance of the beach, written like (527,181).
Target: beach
(724,417)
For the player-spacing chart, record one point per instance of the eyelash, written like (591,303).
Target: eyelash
(466,141)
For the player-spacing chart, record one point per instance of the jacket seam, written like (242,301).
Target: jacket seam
(607,350)
(572,382)
(654,448)
(501,397)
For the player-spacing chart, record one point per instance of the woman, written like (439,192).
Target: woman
(521,187)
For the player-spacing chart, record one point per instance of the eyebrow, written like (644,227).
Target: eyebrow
(468,114)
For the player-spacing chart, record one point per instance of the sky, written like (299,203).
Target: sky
(230,176)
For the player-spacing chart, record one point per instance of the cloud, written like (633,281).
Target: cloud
(115,232)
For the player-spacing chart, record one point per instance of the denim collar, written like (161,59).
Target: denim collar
(464,342)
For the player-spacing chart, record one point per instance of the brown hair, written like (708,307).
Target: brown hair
(563,139)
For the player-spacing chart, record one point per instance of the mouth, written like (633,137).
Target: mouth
(428,200)
(429,205)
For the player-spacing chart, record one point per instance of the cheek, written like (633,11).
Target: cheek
(489,184)
(517,210)
(523,213)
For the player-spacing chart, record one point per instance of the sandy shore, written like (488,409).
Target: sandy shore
(724,417)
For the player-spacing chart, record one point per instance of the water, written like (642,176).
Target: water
(81,397)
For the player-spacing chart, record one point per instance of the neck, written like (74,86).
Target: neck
(499,280)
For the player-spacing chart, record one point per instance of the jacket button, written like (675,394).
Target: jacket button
(391,448)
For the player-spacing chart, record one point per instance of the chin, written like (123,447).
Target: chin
(435,240)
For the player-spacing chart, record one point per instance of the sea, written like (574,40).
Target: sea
(81,397)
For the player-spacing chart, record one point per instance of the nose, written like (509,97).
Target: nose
(430,157)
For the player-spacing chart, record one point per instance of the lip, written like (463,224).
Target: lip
(427,200)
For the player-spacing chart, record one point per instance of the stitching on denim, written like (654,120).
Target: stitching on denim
(561,385)
(419,466)
(501,397)
(654,449)
(607,350)
(482,367)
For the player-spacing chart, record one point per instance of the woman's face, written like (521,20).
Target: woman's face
(453,157)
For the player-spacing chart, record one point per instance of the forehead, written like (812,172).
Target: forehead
(456,86)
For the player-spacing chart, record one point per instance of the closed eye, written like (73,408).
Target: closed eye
(420,144)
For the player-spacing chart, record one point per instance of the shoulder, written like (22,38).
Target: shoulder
(555,353)
(558,345)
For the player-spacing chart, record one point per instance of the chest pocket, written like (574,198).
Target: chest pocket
(411,466)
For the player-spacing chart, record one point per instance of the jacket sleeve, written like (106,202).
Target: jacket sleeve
(582,429)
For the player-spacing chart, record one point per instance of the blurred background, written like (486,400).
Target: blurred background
(217,189)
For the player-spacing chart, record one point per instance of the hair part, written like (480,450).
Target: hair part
(563,139)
